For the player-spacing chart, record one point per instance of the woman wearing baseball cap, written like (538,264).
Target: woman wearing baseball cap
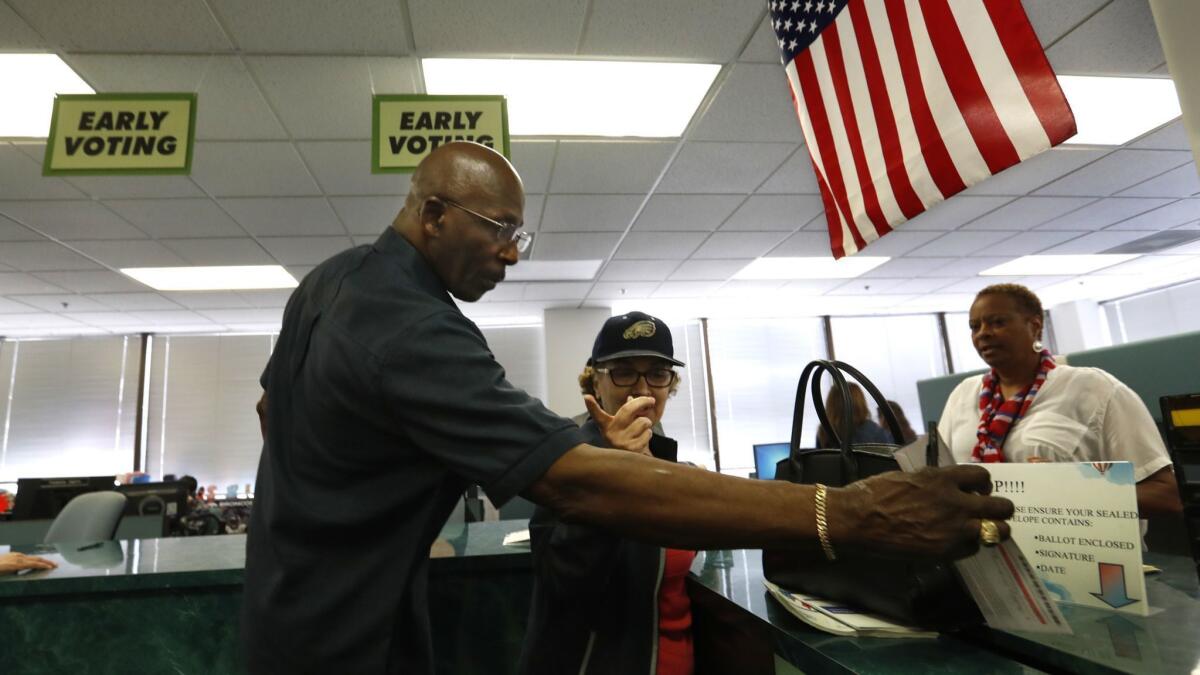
(603,604)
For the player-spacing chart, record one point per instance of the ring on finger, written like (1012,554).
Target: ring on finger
(989,532)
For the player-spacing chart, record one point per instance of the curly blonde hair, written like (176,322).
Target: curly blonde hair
(587,382)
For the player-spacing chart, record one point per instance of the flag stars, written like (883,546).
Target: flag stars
(787,25)
(795,5)
(792,44)
(808,6)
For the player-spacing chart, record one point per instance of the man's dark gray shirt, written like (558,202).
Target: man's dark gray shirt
(383,403)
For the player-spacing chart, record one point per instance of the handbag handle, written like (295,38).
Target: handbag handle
(881,403)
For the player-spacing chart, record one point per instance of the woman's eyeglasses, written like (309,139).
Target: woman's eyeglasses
(627,377)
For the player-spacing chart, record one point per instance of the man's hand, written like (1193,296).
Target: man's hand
(15,562)
(628,429)
(931,513)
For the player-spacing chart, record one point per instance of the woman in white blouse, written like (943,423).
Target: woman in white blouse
(1028,408)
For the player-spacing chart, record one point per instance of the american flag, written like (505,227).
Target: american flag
(904,103)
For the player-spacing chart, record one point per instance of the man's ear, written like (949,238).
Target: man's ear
(432,212)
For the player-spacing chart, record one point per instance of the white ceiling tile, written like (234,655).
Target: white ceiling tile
(606,167)
(60,304)
(1120,39)
(533,161)
(298,272)
(220,251)
(1052,19)
(207,299)
(976,284)
(304,250)
(1027,212)
(1028,243)
(251,170)
(1170,136)
(794,177)
(954,212)
(686,289)
(1116,171)
(753,104)
(686,212)
(1102,213)
(42,256)
(243,316)
(13,323)
(134,187)
(774,212)
(367,215)
(899,242)
(737,288)
(871,286)
(710,30)
(14,231)
(738,244)
(1037,171)
(1035,282)
(556,290)
(125,25)
(16,35)
(921,285)
(126,302)
(276,298)
(182,218)
(960,243)
(71,220)
(292,216)
(102,319)
(509,291)
(808,286)
(88,281)
(622,290)
(1181,182)
(659,245)
(1095,242)
(638,270)
(905,268)
(140,253)
(589,213)
(724,168)
(1163,218)
(316,26)
(21,176)
(708,270)
(343,108)
(344,168)
(803,245)
(574,245)
(10,305)
(762,48)
(171,318)
(514,26)
(230,105)
(533,213)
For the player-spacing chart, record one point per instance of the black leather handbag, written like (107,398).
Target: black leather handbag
(928,594)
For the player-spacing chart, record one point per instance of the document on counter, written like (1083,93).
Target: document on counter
(518,538)
(838,619)
(1008,592)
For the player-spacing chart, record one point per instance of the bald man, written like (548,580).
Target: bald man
(382,403)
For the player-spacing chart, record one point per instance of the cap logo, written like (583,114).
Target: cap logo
(640,329)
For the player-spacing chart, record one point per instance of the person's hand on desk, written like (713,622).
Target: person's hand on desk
(934,513)
(15,562)
(630,429)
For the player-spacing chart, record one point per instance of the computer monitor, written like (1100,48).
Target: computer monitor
(150,499)
(43,498)
(766,456)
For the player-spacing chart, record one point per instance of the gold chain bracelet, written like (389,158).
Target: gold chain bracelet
(823,524)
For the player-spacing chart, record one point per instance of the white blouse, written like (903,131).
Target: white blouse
(1079,415)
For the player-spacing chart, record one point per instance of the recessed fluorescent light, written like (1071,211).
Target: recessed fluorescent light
(810,268)
(231,278)
(28,83)
(1054,265)
(553,270)
(1116,110)
(581,98)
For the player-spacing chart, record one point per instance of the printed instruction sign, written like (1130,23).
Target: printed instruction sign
(113,134)
(407,127)
(1078,525)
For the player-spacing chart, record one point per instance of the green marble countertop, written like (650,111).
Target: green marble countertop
(1167,641)
(737,576)
(190,562)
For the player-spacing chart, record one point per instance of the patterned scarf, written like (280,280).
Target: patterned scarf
(998,416)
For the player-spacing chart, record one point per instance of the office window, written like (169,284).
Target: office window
(1167,312)
(687,418)
(521,351)
(893,352)
(69,407)
(962,350)
(200,417)
(756,366)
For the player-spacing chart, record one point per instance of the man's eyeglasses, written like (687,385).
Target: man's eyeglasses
(627,377)
(507,233)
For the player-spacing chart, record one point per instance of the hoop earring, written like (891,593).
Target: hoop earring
(1038,346)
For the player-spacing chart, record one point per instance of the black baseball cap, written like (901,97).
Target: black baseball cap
(633,334)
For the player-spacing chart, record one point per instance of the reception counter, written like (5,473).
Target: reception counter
(171,605)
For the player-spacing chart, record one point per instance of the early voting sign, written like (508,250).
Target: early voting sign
(112,134)
(1078,526)
(407,127)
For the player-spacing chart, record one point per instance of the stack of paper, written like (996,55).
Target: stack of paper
(839,619)
(518,538)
